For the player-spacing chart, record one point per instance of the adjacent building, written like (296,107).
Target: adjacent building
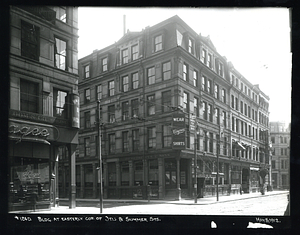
(44,104)
(280,138)
(167,96)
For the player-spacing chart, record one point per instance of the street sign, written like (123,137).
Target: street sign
(193,122)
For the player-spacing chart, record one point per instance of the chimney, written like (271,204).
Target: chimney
(124,24)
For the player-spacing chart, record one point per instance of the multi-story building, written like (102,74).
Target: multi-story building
(44,103)
(280,138)
(165,91)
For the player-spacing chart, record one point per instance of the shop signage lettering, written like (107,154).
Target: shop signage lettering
(26,131)
(178,132)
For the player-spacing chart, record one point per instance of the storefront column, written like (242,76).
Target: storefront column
(131,183)
(81,180)
(95,180)
(161,189)
(118,176)
(178,179)
(105,177)
(72,175)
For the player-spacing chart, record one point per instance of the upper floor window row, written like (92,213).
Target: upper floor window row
(129,54)
(130,82)
(207,59)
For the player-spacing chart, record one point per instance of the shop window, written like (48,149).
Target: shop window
(151,137)
(30,40)
(125,141)
(60,103)
(166,101)
(134,52)
(153,172)
(135,80)
(112,143)
(125,56)
(151,104)
(151,75)
(138,173)
(112,174)
(135,140)
(124,174)
(60,54)
(158,43)
(125,111)
(111,88)
(29,96)
(166,70)
(167,136)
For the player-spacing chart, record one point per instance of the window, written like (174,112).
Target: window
(60,52)
(135,140)
(125,144)
(87,147)
(60,103)
(232,101)
(166,70)
(236,103)
(204,110)
(205,140)
(61,14)
(99,92)
(209,61)
(134,52)
(242,87)
(87,95)
(221,69)
(112,175)
(225,146)
(151,75)
(104,64)
(167,136)
(195,78)
(111,88)
(125,83)
(185,102)
(30,35)
(216,91)
(191,46)
(249,112)
(224,119)
(253,116)
(112,143)
(125,111)
(232,124)
(217,113)
(211,142)
(135,80)
(151,104)
(87,120)
(242,107)
(185,74)
(218,147)
(158,43)
(135,108)
(29,96)
(196,107)
(209,112)
(166,101)
(245,109)
(124,174)
(208,86)
(87,71)
(204,58)
(111,114)
(152,137)
(203,83)
(125,56)
(223,95)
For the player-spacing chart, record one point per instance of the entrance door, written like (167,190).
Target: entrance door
(245,180)
(170,174)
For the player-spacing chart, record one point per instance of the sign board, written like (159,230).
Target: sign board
(178,131)
(193,122)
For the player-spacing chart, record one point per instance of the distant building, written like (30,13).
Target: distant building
(44,104)
(280,138)
(165,91)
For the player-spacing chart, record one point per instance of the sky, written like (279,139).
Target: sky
(255,40)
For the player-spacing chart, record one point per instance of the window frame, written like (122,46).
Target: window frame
(60,54)
(125,141)
(28,41)
(111,89)
(151,105)
(111,143)
(151,77)
(134,54)
(27,98)
(135,80)
(158,45)
(87,95)
(125,56)
(87,119)
(104,64)
(98,93)
(151,134)
(166,72)
(86,72)
(125,110)
(166,136)
(125,83)
(166,101)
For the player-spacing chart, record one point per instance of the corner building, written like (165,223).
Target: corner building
(44,105)
(165,91)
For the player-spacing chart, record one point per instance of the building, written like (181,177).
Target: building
(280,138)
(44,104)
(165,91)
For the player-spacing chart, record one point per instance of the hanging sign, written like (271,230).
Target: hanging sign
(178,131)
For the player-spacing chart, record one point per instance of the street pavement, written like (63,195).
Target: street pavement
(130,206)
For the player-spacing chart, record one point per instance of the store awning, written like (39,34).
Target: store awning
(18,139)
(254,168)
(239,146)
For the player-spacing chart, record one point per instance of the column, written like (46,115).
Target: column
(118,175)
(161,190)
(105,178)
(178,179)
(95,181)
(131,172)
(81,180)
(72,180)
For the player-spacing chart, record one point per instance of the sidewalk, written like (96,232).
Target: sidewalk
(109,203)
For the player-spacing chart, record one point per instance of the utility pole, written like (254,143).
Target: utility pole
(195,166)
(100,158)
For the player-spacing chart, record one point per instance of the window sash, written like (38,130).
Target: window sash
(166,101)
(60,53)
(29,96)
(104,64)
(99,92)
(151,105)
(135,80)
(166,70)
(125,56)
(87,95)
(60,99)
(152,137)
(125,82)
(158,43)
(134,52)
(151,75)
(111,88)
(30,41)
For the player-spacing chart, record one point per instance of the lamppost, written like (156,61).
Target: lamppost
(100,157)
